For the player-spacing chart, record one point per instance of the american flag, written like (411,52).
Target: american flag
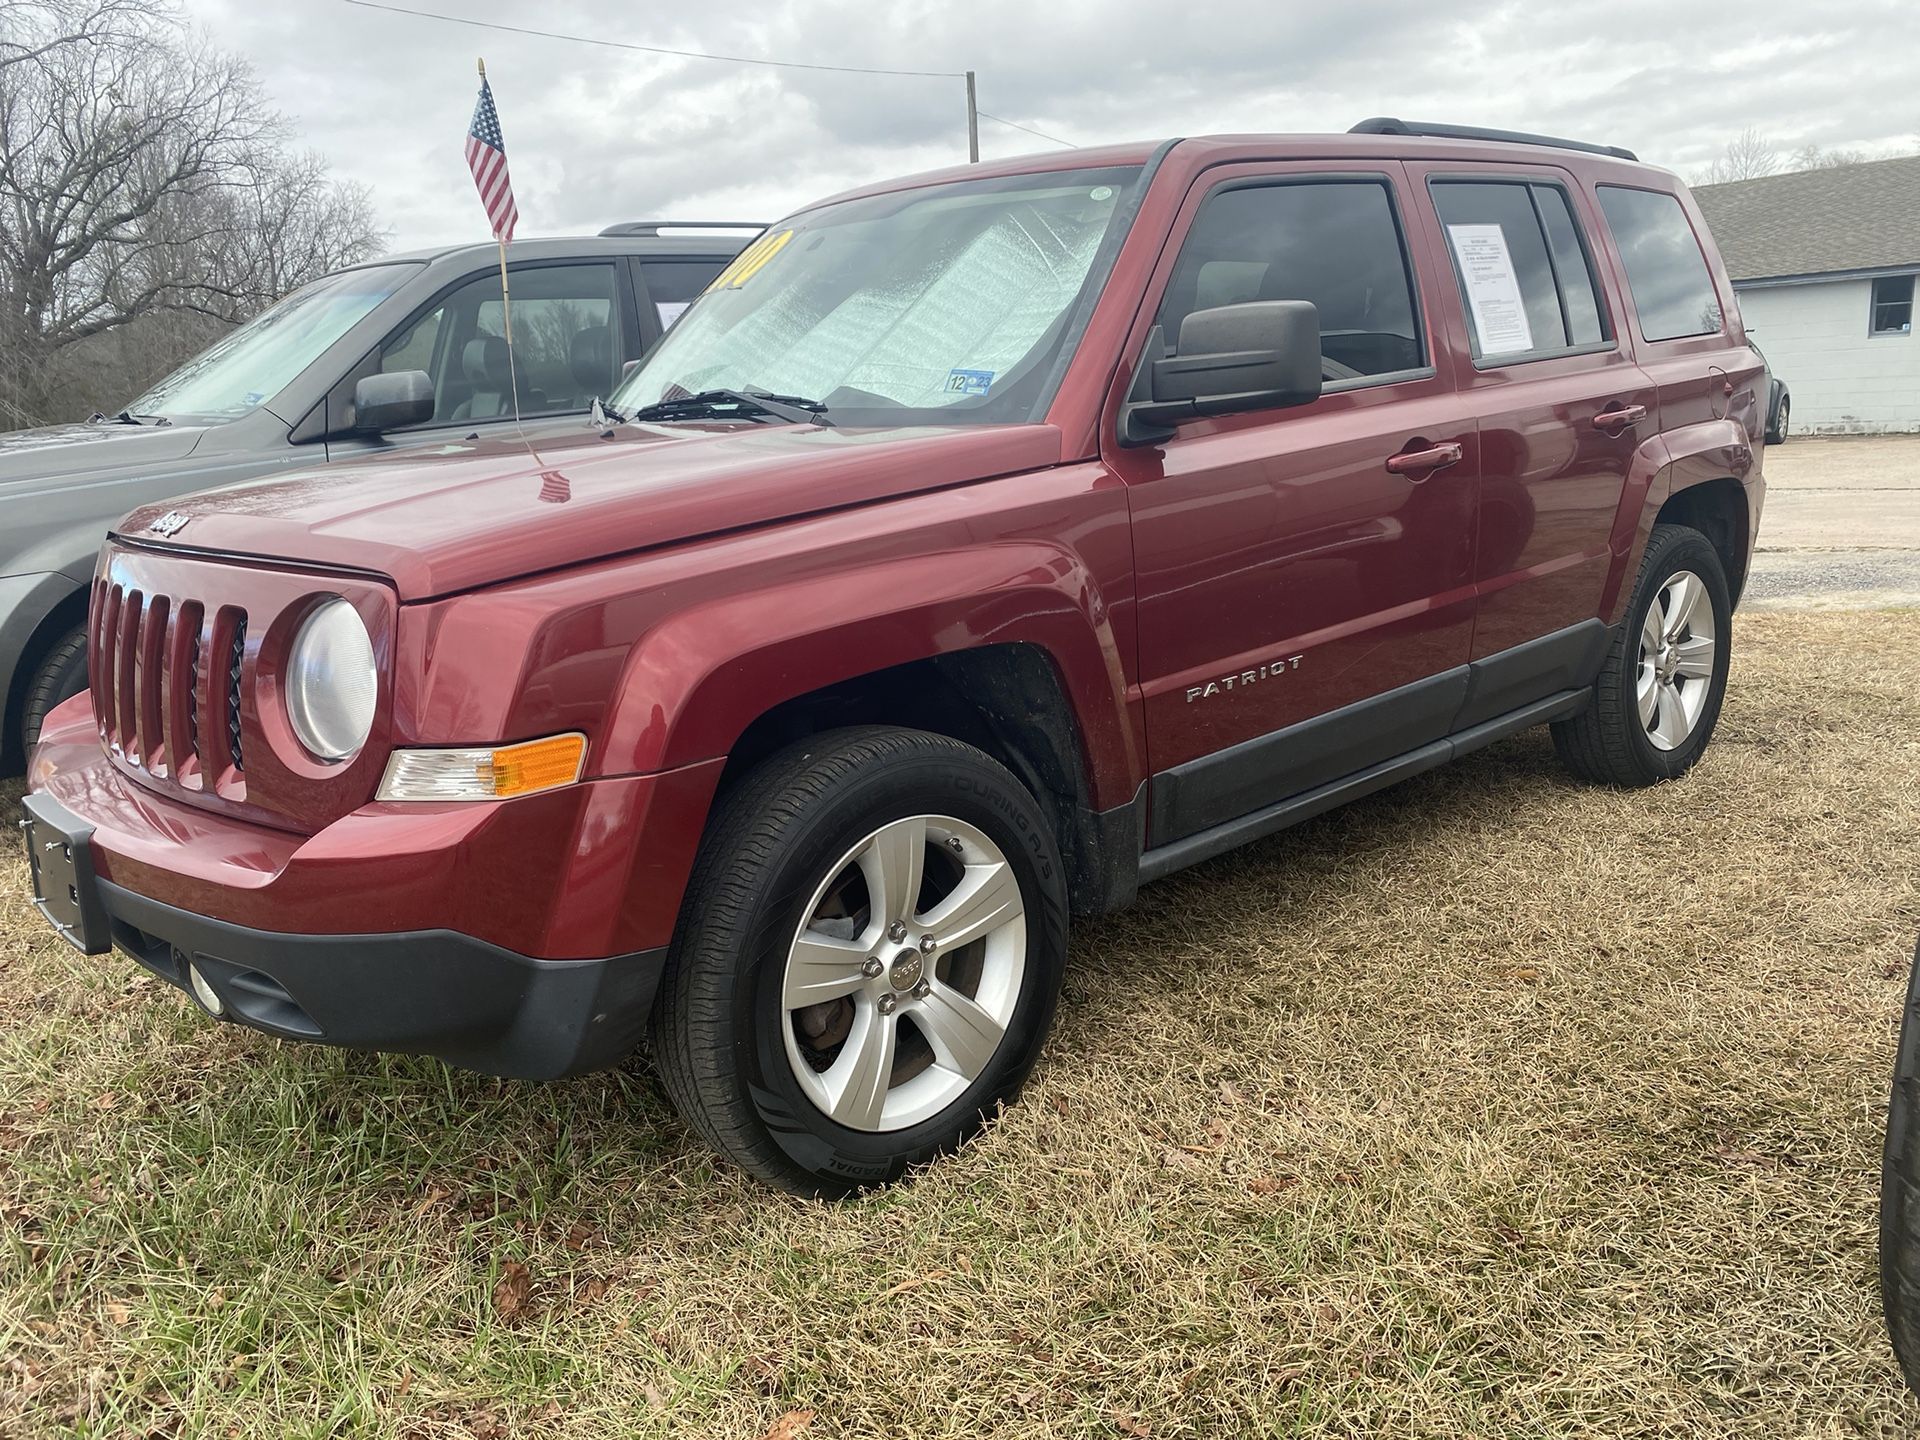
(487,158)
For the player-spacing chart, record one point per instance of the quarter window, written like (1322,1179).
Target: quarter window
(1893,305)
(1522,268)
(1336,243)
(1665,268)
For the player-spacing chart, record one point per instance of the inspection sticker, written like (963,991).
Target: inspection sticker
(969,382)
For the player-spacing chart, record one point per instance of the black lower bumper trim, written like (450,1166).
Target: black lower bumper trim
(420,992)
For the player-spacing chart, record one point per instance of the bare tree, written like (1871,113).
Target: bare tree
(143,184)
(1812,157)
(1748,156)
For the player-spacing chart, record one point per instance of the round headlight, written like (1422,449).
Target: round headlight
(331,683)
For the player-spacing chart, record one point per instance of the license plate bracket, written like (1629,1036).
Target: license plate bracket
(60,871)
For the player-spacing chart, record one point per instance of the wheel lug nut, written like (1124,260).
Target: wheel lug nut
(897,931)
(928,944)
(887,1002)
(872,968)
(923,989)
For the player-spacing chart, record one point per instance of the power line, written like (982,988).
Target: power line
(656,49)
(1055,139)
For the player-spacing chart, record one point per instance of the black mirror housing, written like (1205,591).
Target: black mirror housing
(387,402)
(1260,355)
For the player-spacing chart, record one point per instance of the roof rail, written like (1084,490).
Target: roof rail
(654,227)
(1385,125)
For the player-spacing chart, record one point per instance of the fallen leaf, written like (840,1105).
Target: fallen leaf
(579,1235)
(1271,1184)
(656,1397)
(1132,1425)
(790,1425)
(510,1292)
(1232,1094)
(915,1283)
(118,1312)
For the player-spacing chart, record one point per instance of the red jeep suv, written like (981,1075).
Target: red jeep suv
(979,546)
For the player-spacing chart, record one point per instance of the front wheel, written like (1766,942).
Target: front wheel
(868,959)
(1660,689)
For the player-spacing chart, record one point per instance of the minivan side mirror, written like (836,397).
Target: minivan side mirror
(387,402)
(1259,355)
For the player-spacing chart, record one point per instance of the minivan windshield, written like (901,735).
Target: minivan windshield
(254,363)
(948,304)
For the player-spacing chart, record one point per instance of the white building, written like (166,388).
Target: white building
(1824,264)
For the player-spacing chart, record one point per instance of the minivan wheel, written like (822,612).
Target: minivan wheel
(1900,1193)
(60,675)
(1660,689)
(868,959)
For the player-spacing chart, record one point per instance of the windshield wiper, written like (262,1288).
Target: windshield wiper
(795,409)
(126,417)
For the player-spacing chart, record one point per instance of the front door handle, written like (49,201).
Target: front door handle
(1434,457)
(1619,417)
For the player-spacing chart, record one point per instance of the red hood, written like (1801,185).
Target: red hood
(491,510)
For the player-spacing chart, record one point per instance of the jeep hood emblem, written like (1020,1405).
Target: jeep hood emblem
(171,523)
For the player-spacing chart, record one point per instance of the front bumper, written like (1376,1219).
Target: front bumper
(425,992)
(522,938)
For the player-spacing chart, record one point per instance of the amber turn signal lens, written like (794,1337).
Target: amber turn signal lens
(536,765)
(496,773)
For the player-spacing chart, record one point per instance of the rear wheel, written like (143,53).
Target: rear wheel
(868,959)
(1777,432)
(60,675)
(1659,693)
(1900,1193)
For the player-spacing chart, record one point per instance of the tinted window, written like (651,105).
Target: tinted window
(1522,270)
(1336,243)
(672,285)
(564,350)
(1570,266)
(1666,271)
(1893,305)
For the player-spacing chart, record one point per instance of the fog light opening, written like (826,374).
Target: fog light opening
(209,999)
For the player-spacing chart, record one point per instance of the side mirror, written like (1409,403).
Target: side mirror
(387,402)
(1255,356)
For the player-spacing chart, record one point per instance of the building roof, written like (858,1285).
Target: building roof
(1845,218)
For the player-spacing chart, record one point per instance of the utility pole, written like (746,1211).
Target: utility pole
(973,124)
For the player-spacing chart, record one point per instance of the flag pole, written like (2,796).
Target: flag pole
(506,302)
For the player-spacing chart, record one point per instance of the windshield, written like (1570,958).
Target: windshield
(943,305)
(255,362)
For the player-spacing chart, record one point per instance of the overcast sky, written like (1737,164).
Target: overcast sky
(596,135)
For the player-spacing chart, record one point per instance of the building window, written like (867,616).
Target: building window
(1892,305)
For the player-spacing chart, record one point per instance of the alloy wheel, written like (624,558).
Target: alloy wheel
(1678,641)
(905,973)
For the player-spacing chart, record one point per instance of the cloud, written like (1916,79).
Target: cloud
(597,135)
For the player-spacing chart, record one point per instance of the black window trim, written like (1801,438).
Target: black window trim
(1412,271)
(1528,179)
(1640,324)
(1874,303)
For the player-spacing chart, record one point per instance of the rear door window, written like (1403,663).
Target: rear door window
(1336,243)
(1666,270)
(1525,279)
(673,285)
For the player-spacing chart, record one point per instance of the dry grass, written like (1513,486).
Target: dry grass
(1492,1106)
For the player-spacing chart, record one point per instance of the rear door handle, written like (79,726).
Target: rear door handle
(1435,457)
(1620,417)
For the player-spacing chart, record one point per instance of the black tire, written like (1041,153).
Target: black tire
(1606,743)
(1777,431)
(1900,1194)
(60,675)
(719,1027)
